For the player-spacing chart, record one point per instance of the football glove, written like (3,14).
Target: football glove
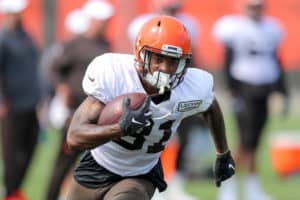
(134,121)
(224,168)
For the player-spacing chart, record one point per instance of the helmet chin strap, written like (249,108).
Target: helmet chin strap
(160,80)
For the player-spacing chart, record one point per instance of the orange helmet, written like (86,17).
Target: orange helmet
(167,36)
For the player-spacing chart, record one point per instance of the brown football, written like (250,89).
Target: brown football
(112,111)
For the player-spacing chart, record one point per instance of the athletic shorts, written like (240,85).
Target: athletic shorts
(250,107)
(92,175)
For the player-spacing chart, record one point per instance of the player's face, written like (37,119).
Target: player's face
(255,11)
(98,27)
(163,63)
(13,19)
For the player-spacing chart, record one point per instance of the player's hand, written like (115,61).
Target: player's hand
(224,168)
(134,121)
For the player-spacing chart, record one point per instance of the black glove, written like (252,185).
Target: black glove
(134,121)
(224,168)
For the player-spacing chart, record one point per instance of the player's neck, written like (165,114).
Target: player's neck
(154,92)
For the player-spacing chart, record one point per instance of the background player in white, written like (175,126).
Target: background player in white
(253,71)
(121,162)
(66,72)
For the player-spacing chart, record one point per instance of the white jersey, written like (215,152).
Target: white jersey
(111,75)
(254,46)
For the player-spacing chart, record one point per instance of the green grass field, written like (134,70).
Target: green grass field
(37,179)
(280,188)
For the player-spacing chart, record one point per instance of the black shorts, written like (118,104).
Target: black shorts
(92,175)
(250,106)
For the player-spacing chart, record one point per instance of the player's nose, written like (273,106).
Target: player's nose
(168,67)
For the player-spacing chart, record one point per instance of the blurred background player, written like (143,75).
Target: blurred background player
(76,23)
(67,72)
(253,72)
(54,112)
(19,97)
(187,132)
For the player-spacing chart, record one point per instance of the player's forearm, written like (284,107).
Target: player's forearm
(215,120)
(88,136)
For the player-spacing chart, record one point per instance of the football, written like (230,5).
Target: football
(112,111)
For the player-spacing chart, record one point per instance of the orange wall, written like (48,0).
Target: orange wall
(206,12)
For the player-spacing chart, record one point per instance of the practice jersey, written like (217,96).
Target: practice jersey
(111,75)
(254,45)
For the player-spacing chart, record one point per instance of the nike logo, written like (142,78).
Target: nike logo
(231,166)
(136,122)
(148,123)
(91,78)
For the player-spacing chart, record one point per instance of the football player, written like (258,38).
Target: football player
(122,160)
(253,72)
(177,180)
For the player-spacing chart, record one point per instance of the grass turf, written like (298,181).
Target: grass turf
(37,179)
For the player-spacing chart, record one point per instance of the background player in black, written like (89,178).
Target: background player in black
(253,47)
(68,70)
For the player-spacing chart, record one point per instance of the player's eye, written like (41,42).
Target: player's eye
(157,59)
(173,61)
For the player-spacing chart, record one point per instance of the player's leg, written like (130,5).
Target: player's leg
(131,189)
(90,180)
(253,188)
(89,175)
(61,167)
(9,152)
(20,133)
(79,192)
(183,133)
(244,119)
(64,162)
(228,190)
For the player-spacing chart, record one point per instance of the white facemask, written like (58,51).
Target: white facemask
(160,80)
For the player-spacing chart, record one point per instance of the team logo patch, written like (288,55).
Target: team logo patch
(188,105)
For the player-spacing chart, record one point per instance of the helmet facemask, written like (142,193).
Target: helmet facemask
(164,81)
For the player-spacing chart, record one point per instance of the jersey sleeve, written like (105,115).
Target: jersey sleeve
(277,30)
(197,86)
(223,30)
(209,95)
(99,79)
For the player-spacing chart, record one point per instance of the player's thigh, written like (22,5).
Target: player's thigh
(79,192)
(253,123)
(131,189)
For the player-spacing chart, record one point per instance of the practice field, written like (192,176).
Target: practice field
(282,189)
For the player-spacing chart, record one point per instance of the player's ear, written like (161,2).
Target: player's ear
(139,66)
